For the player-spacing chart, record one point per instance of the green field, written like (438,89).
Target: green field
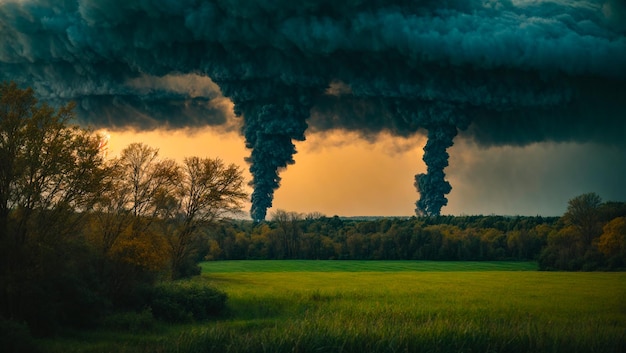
(361,306)
(362,266)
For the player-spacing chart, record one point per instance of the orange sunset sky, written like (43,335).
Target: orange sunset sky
(340,173)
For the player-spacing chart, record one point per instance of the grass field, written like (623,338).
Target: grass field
(361,306)
(362,266)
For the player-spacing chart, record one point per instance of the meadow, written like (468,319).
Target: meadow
(389,306)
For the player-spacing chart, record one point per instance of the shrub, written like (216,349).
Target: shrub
(187,269)
(15,337)
(130,321)
(183,302)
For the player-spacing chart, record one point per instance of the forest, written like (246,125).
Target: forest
(589,236)
(83,236)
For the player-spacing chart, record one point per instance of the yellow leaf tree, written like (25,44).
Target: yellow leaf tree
(612,243)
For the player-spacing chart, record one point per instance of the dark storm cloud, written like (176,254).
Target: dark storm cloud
(505,72)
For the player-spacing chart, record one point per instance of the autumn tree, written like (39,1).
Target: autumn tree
(148,184)
(140,189)
(612,242)
(50,175)
(575,246)
(155,205)
(205,191)
(288,231)
(583,213)
(45,164)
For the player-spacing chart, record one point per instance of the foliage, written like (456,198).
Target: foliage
(569,243)
(287,233)
(130,321)
(123,228)
(590,238)
(183,302)
(612,243)
(206,190)
(293,236)
(81,236)
(50,174)
(583,213)
(16,337)
(148,195)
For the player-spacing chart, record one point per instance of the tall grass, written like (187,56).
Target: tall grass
(395,311)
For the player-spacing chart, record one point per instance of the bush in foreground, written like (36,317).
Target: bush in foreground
(135,322)
(184,302)
(15,337)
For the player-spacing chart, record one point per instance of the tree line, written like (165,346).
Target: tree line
(82,235)
(591,235)
(289,235)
